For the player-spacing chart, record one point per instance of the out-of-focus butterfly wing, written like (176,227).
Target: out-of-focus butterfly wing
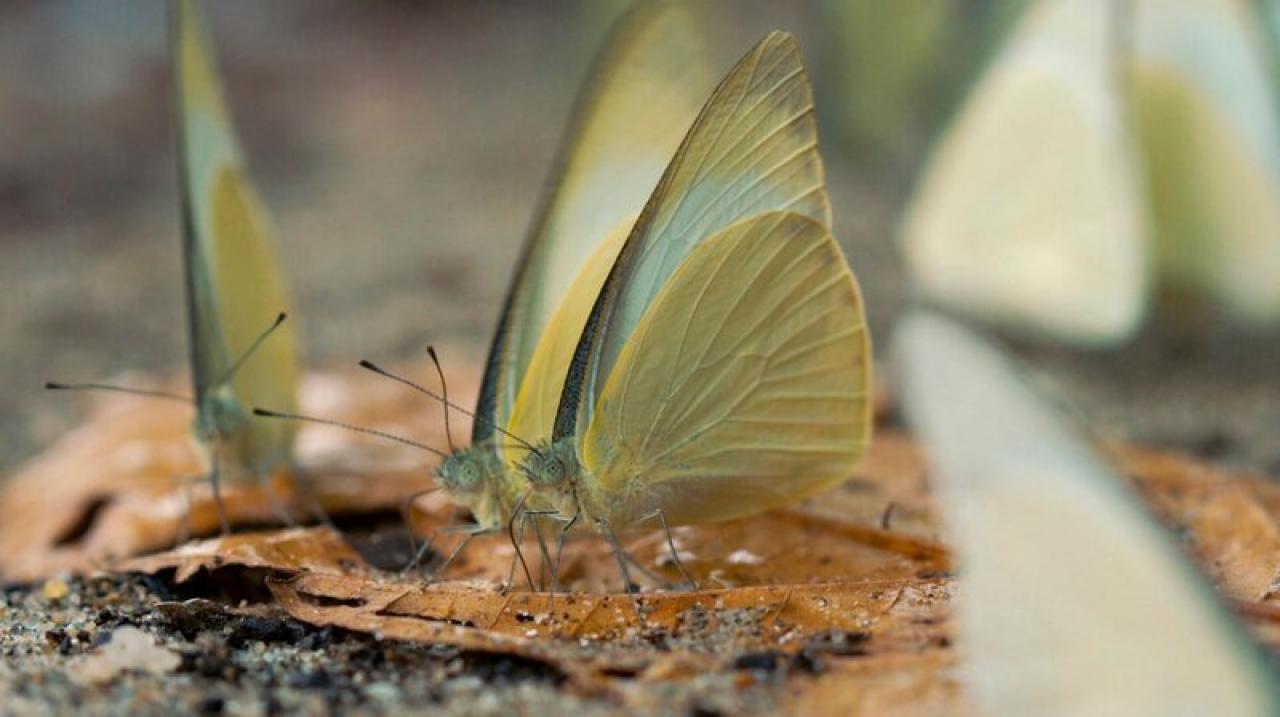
(1073,602)
(1031,211)
(642,96)
(753,149)
(1210,126)
(234,288)
(745,384)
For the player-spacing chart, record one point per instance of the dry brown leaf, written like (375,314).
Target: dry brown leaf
(1230,517)
(107,489)
(590,637)
(883,642)
(851,589)
(319,551)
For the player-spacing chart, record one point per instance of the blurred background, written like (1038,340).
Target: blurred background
(401,147)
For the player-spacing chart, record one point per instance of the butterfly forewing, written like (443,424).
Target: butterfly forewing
(643,94)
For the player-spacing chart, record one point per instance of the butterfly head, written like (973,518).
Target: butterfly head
(463,473)
(219,414)
(551,467)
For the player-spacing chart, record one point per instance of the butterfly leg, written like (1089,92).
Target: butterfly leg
(887,515)
(184,523)
(469,531)
(277,507)
(303,484)
(671,545)
(516,536)
(420,552)
(552,565)
(652,576)
(425,549)
(545,577)
(564,533)
(406,506)
(619,554)
(215,480)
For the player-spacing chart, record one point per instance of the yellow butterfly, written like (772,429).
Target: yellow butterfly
(1206,107)
(641,97)
(1031,210)
(724,368)
(1073,601)
(236,299)
(234,289)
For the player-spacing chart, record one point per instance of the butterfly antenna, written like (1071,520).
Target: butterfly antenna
(444,389)
(249,352)
(55,386)
(266,413)
(366,364)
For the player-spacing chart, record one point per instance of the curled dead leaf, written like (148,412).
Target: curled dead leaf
(312,550)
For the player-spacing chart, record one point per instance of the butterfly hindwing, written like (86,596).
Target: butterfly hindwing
(744,385)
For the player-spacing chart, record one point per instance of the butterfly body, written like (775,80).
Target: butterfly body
(476,478)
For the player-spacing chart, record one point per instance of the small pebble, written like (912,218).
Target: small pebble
(55,589)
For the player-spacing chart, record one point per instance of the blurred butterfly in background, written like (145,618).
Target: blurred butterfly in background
(1110,143)
(642,95)
(891,72)
(1206,109)
(724,368)
(1073,600)
(241,351)
(1031,211)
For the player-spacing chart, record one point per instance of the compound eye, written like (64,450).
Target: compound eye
(470,474)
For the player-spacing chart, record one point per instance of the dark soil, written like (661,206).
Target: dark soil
(252,660)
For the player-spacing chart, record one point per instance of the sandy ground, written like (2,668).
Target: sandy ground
(256,662)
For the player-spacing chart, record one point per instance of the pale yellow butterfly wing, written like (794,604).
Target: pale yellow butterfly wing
(235,290)
(743,387)
(1031,210)
(753,149)
(1210,128)
(534,413)
(643,94)
(1269,12)
(1073,601)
